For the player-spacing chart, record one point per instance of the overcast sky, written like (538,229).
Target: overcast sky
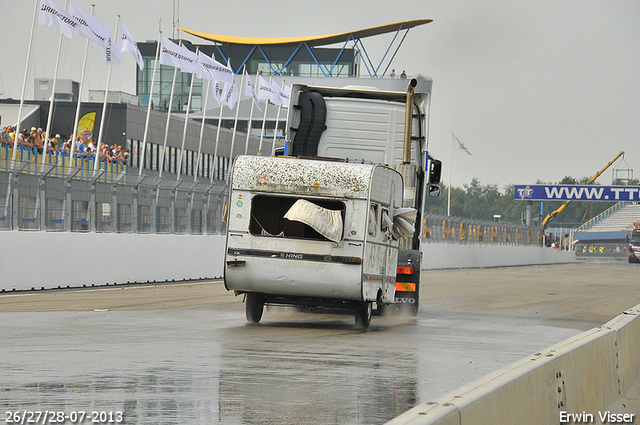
(536,90)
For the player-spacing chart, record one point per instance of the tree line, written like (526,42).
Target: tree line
(484,202)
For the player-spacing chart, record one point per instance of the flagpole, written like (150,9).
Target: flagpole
(146,125)
(24,88)
(77,119)
(235,123)
(275,129)
(215,151)
(186,115)
(166,129)
(246,145)
(104,104)
(186,119)
(264,119)
(450,186)
(53,94)
(195,173)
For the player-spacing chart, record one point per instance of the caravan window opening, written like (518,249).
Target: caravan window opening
(374,219)
(268,211)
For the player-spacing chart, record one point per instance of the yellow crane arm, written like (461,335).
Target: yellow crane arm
(561,208)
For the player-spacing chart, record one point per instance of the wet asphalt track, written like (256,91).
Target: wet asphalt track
(183,353)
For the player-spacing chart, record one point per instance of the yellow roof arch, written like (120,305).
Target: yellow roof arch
(320,40)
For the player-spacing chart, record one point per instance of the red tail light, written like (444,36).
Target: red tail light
(405,269)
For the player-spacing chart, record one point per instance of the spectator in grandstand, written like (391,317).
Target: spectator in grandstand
(89,153)
(105,153)
(24,140)
(102,155)
(54,144)
(125,157)
(91,145)
(38,140)
(4,137)
(80,149)
(64,150)
(12,136)
(120,154)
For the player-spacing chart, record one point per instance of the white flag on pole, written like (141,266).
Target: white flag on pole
(250,90)
(216,90)
(192,64)
(90,26)
(284,93)
(53,16)
(230,94)
(459,145)
(178,56)
(215,71)
(129,45)
(267,91)
(112,55)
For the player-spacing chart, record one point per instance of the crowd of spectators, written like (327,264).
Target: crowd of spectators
(34,141)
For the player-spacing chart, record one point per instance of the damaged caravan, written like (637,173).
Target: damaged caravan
(314,233)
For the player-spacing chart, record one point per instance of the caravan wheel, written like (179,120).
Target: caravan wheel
(363,314)
(254,307)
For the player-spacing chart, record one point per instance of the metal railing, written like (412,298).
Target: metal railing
(600,217)
(456,230)
(65,195)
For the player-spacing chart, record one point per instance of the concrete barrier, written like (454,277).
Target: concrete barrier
(44,260)
(451,256)
(593,377)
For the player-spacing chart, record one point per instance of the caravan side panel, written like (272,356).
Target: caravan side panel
(381,251)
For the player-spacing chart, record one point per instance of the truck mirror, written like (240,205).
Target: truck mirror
(434,190)
(435,170)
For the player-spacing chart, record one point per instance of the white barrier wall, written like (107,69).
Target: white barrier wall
(595,374)
(37,260)
(451,256)
(43,260)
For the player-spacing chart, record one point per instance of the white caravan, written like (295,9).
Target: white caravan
(323,225)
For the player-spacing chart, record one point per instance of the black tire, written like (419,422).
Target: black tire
(254,307)
(363,314)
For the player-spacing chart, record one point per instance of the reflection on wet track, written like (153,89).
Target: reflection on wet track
(204,364)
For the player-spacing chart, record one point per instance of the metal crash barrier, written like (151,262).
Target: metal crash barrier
(66,195)
(445,229)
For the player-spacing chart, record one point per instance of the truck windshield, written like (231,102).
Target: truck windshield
(635,238)
(268,217)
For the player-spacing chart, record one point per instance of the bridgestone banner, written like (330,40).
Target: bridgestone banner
(576,193)
(53,16)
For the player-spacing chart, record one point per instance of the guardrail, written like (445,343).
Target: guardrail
(456,230)
(593,377)
(63,195)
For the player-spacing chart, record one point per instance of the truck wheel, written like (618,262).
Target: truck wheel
(363,314)
(254,307)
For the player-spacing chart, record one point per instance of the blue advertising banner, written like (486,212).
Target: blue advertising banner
(561,192)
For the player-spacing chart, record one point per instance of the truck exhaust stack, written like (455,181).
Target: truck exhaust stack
(408,122)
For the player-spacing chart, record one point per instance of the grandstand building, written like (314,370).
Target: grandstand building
(172,190)
(612,226)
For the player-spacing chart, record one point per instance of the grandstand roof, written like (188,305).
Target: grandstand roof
(321,40)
